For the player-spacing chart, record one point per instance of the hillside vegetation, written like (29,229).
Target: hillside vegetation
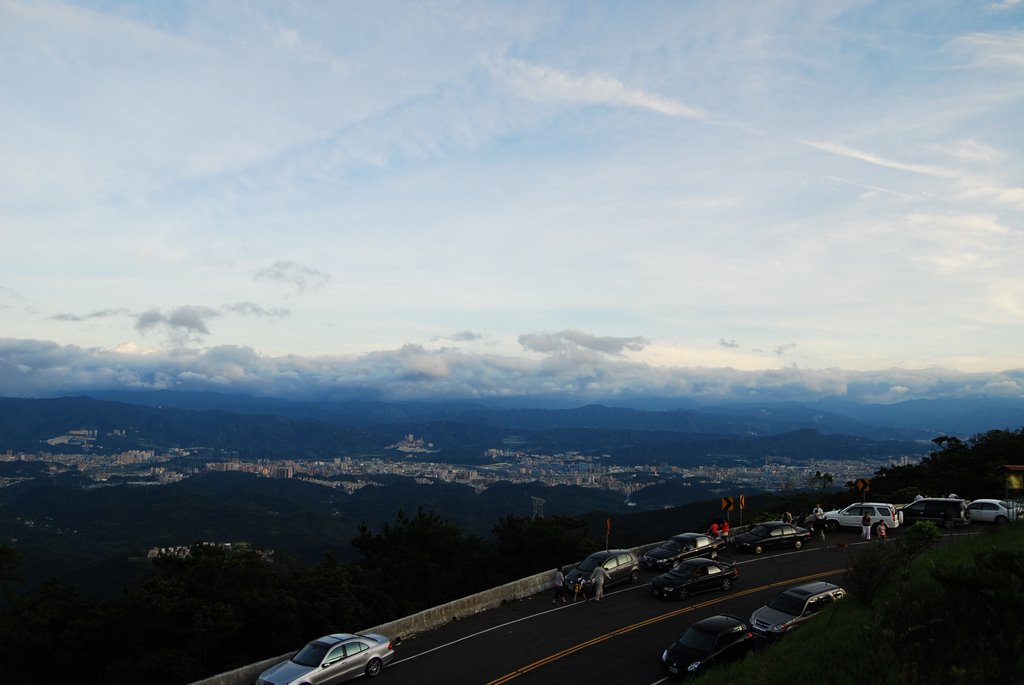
(952,615)
(187,618)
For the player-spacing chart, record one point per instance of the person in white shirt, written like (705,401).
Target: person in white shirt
(599,576)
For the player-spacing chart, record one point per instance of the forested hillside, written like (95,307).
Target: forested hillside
(212,606)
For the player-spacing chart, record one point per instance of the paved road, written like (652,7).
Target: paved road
(620,639)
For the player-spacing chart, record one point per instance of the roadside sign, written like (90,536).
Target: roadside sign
(727,503)
(743,501)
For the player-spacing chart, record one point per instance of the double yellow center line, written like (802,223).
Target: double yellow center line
(636,626)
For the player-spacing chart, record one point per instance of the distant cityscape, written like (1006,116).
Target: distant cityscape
(153,468)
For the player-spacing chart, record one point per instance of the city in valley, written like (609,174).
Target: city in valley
(411,458)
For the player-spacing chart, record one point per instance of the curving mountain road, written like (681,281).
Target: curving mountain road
(618,640)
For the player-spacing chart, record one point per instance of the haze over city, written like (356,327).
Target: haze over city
(396,200)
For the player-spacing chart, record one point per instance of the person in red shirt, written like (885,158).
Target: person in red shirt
(725,530)
(713,530)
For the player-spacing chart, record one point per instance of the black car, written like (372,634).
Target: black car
(679,547)
(942,511)
(693,576)
(621,565)
(715,640)
(772,534)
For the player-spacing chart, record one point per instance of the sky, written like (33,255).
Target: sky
(416,200)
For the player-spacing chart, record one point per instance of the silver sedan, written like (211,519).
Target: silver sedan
(333,659)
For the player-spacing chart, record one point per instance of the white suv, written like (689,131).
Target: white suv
(851,516)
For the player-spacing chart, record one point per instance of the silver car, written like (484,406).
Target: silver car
(792,607)
(993,511)
(333,659)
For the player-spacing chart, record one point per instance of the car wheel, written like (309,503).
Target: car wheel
(683,593)
(714,554)
(947,524)
(634,576)
(833,526)
(1000,520)
(798,544)
(726,583)
(758,549)
(373,668)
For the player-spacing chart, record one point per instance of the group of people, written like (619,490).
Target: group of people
(881,529)
(599,577)
(719,529)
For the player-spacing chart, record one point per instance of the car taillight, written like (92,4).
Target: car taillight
(391,646)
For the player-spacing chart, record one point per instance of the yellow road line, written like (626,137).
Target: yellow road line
(636,626)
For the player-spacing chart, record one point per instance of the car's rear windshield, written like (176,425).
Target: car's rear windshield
(760,531)
(589,564)
(698,640)
(311,655)
(787,604)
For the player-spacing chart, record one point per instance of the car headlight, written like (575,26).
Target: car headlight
(664,656)
(693,667)
(778,629)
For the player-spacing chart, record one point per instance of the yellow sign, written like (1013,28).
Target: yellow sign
(727,503)
(743,501)
(864,485)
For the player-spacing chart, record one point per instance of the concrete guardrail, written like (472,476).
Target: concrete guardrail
(428,619)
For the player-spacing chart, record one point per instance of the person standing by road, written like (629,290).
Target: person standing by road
(725,531)
(713,529)
(882,532)
(819,520)
(559,586)
(599,576)
(865,526)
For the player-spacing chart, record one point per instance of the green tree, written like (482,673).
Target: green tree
(424,561)
(531,545)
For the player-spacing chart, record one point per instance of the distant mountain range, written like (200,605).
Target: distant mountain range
(460,432)
(254,427)
(64,524)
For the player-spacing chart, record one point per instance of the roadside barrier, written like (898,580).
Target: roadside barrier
(429,619)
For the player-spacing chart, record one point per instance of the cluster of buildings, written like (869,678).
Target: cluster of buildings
(147,467)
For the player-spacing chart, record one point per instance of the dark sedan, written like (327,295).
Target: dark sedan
(772,534)
(680,547)
(693,576)
(713,641)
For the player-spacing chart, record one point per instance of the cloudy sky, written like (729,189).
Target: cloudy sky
(718,200)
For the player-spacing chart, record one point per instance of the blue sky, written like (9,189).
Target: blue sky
(715,200)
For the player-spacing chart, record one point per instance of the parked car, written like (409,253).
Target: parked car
(621,564)
(942,511)
(772,534)
(851,516)
(993,511)
(679,547)
(715,640)
(333,659)
(792,607)
(693,576)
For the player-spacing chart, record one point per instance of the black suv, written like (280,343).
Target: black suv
(621,565)
(941,511)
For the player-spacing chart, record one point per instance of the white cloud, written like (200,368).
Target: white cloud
(320,182)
